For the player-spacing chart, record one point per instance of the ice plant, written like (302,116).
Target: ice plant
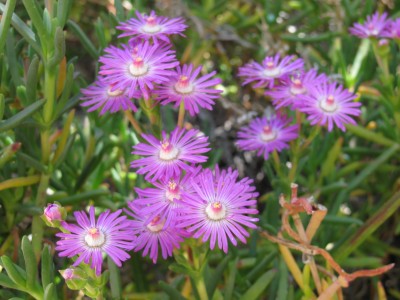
(185,86)
(330,104)
(137,68)
(152,27)
(167,198)
(110,234)
(375,26)
(154,235)
(271,69)
(220,207)
(394,29)
(103,94)
(288,92)
(265,135)
(171,155)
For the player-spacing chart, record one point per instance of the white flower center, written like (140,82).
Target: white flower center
(271,70)
(114,93)
(329,104)
(183,86)
(138,67)
(173,192)
(151,26)
(216,211)
(168,151)
(297,87)
(95,238)
(268,134)
(156,225)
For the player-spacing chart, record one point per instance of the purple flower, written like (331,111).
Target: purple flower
(375,26)
(169,156)
(168,197)
(272,68)
(287,94)
(153,234)
(330,104)
(219,209)
(266,135)
(152,26)
(184,87)
(137,68)
(111,234)
(394,29)
(104,94)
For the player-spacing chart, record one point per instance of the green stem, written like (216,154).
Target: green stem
(201,288)
(37,223)
(115,279)
(181,114)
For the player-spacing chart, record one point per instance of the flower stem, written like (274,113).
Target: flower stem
(133,121)
(181,115)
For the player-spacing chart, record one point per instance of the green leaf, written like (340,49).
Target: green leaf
(370,135)
(283,281)
(15,120)
(259,286)
(59,48)
(115,279)
(213,280)
(171,291)
(119,9)
(50,292)
(371,167)
(12,60)
(87,44)
(30,263)
(14,274)
(328,166)
(37,21)
(47,266)
(228,291)
(63,8)
(6,282)
(5,22)
(77,198)
(24,30)
(32,80)
(2,106)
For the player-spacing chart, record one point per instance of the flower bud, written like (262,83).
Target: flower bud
(53,215)
(74,278)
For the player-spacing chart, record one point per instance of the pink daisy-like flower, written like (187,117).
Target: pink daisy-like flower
(266,135)
(111,234)
(394,29)
(137,68)
(152,26)
(168,157)
(184,87)
(287,94)
(219,209)
(168,197)
(153,234)
(330,104)
(272,68)
(375,26)
(104,94)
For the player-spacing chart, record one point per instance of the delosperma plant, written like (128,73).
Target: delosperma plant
(171,164)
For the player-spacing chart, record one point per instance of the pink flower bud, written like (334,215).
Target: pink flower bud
(68,274)
(52,212)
